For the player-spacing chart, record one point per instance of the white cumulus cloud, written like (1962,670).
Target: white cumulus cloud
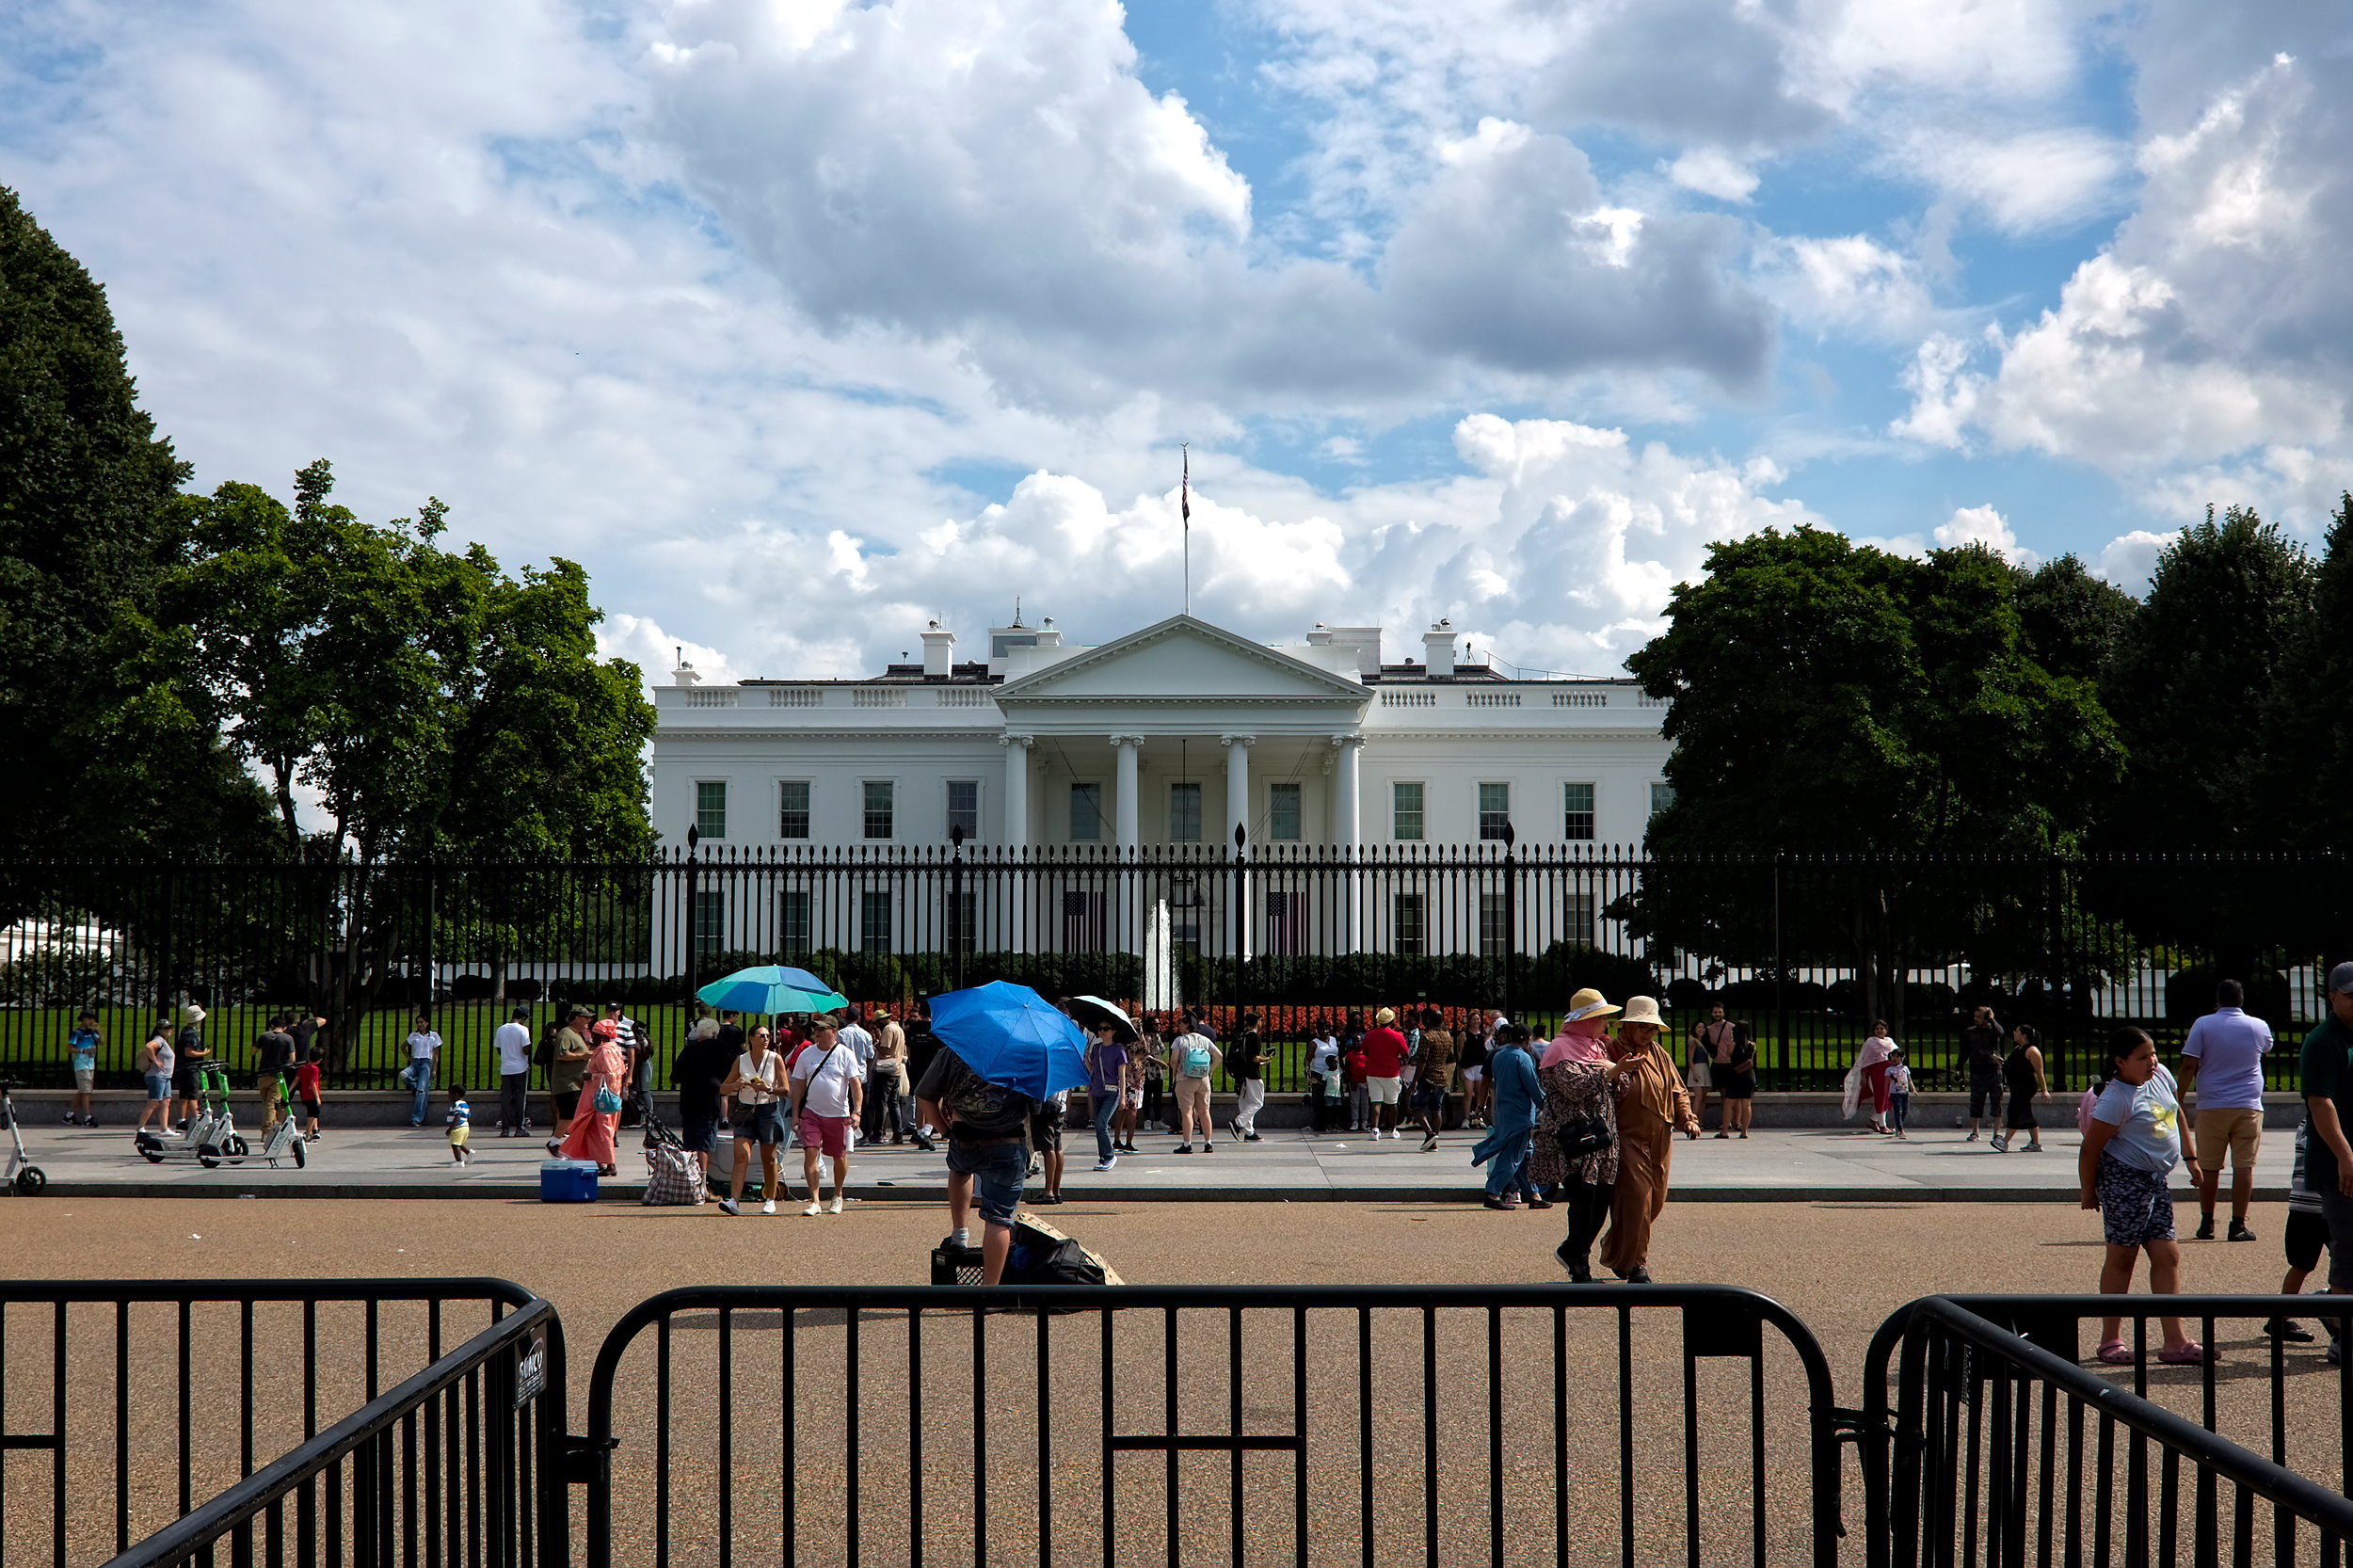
(1983,525)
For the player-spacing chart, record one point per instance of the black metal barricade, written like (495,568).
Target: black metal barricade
(457,1465)
(1321,1424)
(2002,1448)
(141,1398)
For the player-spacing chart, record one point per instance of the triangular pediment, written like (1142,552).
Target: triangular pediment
(1181,657)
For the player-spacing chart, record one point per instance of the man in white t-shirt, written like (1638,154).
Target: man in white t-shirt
(513,1041)
(2223,1061)
(829,1092)
(423,1046)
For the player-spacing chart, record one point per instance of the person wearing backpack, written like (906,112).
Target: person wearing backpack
(1192,1057)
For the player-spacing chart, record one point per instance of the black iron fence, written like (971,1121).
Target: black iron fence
(2003,1449)
(125,1404)
(1318,1425)
(1806,951)
(461,1463)
(1130,1425)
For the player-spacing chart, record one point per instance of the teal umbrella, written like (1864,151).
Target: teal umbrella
(773,988)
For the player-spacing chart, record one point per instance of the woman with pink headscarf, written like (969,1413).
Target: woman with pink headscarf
(1581,1084)
(592,1133)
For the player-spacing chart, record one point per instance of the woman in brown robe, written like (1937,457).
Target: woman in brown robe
(1581,1082)
(1652,1107)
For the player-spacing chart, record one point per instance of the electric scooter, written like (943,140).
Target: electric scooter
(212,1137)
(19,1172)
(284,1141)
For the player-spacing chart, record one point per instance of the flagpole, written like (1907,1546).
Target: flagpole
(1184,508)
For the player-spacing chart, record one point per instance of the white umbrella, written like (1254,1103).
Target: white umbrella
(1096,1009)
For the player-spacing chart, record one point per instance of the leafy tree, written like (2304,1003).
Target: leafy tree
(2190,686)
(2073,621)
(2305,784)
(1826,697)
(1830,697)
(435,706)
(2307,792)
(89,521)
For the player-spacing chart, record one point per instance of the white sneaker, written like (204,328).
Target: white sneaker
(835,1207)
(814,1209)
(1106,1164)
(768,1207)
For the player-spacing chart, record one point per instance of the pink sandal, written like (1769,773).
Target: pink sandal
(2115,1353)
(2191,1353)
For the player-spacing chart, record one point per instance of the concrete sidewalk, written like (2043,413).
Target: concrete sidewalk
(1807,1164)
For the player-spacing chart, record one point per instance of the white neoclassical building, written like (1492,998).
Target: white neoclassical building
(1175,734)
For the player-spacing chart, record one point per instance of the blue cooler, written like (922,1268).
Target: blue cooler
(567,1181)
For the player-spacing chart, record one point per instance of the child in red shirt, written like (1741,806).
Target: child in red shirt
(307,1086)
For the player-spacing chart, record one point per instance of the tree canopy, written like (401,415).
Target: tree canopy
(89,521)
(434,704)
(1833,698)
(2190,686)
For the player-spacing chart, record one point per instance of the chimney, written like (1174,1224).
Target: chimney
(939,652)
(685,674)
(1437,655)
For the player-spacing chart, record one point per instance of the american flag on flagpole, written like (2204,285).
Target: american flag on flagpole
(1184,510)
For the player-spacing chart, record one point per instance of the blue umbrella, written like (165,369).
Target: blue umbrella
(1012,1037)
(773,988)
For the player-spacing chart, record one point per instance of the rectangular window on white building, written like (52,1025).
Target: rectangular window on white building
(1661,796)
(1494,809)
(1086,813)
(880,795)
(794,939)
(1407,933)
(1578,920)
(964,808)
(1405,817)
(711,921)
(710,809)
(1184,813)
(963,921)
(1576,810)
(1282,812)
(1495,926)
(873,921)
(793,809)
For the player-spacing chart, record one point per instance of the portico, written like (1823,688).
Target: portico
(1179,734)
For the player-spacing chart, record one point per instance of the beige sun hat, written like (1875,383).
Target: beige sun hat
(1588,1003)
(1642,1009)
(1385,1015)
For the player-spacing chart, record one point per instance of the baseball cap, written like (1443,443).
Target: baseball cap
(2340,978)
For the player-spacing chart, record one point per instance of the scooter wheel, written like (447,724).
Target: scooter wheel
(154,1155)
(235,1148)
(209,1159)
(301,1154)
(29,1182)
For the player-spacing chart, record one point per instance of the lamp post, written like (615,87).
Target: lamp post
(1510,922)
(693,836)
(1241,913)
(955,907)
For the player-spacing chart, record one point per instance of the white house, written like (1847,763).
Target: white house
(1175,734)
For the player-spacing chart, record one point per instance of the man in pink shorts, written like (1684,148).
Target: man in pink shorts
(827,1094)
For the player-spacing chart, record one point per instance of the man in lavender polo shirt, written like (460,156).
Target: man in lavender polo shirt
(2223,1058)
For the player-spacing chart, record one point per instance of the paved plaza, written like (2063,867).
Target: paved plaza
(1797,1164)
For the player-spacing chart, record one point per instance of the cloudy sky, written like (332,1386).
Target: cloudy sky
(800,323)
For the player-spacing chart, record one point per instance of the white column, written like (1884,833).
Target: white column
(1237,782)
(1346,805)
(1128,813)
(1348,835)
(1016,787)
(1016,837)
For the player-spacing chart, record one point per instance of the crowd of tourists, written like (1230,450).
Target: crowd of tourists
(1585,1121)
